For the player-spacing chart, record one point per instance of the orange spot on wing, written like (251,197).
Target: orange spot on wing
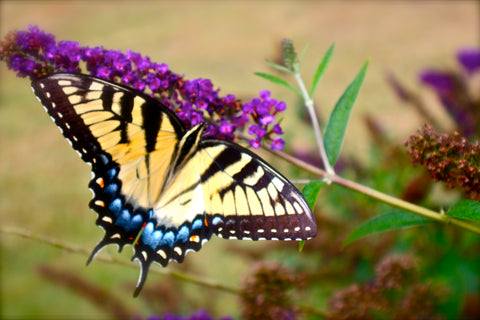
(101,182)
(100,203)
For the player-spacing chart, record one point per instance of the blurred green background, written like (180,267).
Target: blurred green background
(43,184)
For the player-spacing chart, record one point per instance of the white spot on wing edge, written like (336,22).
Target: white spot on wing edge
(162,254)
(107,219)
(144,254)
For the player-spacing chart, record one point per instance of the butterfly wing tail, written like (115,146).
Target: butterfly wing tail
(142,277)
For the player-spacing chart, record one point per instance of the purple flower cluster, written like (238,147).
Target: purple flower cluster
(469,59)
(444,81)
(452,89)
(263,111)
(34,53)
(199,315)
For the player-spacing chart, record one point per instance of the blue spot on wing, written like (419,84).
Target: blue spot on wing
(183,234)
(111,190)
(168,239)
(103,159)
(150,213)
(123,219)
(150,236)
(197,224)
(111,174)
(136,222)
(127,222)
(115,206)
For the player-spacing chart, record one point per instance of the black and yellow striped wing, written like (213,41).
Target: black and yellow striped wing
(243,197)
(162,186)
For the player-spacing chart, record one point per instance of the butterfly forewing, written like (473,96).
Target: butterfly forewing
(100,118)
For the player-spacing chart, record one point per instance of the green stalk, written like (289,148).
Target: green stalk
(380,196)
(316,127)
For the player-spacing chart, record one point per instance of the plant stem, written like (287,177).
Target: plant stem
(380,196)
(201,281)
(316,127)
(329,174)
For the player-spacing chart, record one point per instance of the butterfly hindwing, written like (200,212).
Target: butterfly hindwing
(245,198)
(161,188)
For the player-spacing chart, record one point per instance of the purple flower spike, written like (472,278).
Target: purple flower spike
(263,111)
(440,81)
(34,53)
(198,315)
(470,59)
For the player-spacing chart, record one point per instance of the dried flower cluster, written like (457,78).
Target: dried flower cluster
(34,53)
(267,293)
(393,294)
(448,158)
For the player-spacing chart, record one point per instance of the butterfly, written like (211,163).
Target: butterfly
(161,188)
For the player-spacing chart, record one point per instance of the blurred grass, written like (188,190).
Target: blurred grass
(43,184)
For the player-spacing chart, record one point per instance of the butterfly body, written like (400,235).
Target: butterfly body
(162,188)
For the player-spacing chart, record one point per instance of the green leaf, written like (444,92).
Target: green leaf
(337,123)
(277,80)
(278,66)
(465,209)
(310,191)
(302,54)
(301,244)
(322,66)
(385,222)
